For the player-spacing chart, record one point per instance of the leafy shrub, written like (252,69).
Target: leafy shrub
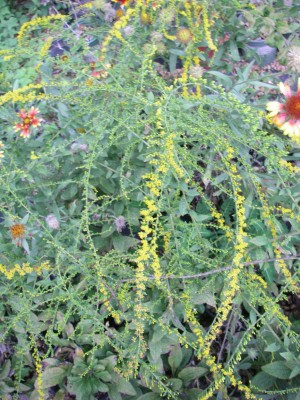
(148,226)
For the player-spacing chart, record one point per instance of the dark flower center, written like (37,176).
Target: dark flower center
(292,106)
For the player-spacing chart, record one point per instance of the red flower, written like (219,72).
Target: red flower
(121,1)
(28,119)
(286,116)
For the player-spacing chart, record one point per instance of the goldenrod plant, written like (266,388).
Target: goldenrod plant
(149,226)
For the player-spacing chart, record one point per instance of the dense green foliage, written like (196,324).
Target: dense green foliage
(149,228)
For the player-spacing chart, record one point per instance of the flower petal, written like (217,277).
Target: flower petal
(274,107)
(279,119)
(285,89)
(291,128)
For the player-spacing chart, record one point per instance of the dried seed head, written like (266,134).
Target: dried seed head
(293,58)
(167,16)
(156,37)
(196,72)
(160,48)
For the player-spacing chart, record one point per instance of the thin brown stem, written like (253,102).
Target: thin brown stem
(215,271)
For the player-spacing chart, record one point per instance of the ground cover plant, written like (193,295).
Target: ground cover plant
(149,210)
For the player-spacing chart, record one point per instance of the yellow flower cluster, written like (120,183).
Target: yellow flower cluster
(289,167)
(220,220)
(288,211)
(276,248)
(196,61)
(116,30)
(232,277)
(21,95)
(45,47)
(23,270)
(207,24)
(147,253)
(113,313)
(37,22)
(38,369)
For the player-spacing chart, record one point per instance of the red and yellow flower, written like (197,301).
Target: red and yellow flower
(28,119)
(286,116)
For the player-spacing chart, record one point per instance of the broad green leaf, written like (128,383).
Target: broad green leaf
(278,369)
(5,369)
(123,243)
(263,381)
(272,347)
(53,376)
(175,384)
(125,387)
(295,372)
(175,358)
(190,373)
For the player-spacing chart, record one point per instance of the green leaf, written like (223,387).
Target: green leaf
(5,370)
(273,347)
(175,384)
(190,373)
(125,387)
(172,62)
(295,372)
(278,369)
(104,376)
(263,381)
(113,393)
(149,396)
(53,376)
(63,109)
(175,358)
(260,240)
(123,243)
(224,77)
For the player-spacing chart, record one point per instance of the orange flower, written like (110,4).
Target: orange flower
(17,231)
(286,116)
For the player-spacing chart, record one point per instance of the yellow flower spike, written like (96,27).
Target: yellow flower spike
(37,22)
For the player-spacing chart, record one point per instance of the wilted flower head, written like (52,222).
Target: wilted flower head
(157,36)
(147,48)
(128,30)
(17,231)
(120,223)
(286,116)
(52,221)
(109,12)
(160,48)
(196,71)
(79,147)
(167,15)
(293,58)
